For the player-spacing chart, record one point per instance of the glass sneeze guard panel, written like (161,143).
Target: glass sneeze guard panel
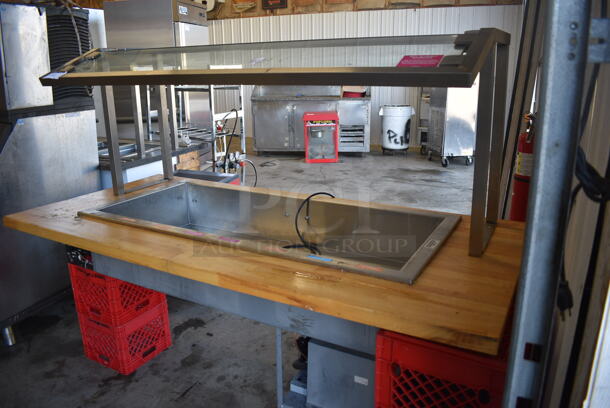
(374,61)
(356,52)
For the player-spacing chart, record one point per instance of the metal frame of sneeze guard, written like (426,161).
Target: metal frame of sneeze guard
(482,53)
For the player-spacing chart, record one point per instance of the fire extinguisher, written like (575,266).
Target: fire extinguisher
(523,170)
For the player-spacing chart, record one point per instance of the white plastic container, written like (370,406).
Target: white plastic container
(396,124)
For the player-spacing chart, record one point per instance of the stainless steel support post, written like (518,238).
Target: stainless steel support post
(136,105)
(212,106)
(565,54)
(173,124)
(112,138)
(8,337)
(488,149)
(479,227)
(149,130)
(164,133)
(180,108)
(279,369)
(497,135)
(242,121)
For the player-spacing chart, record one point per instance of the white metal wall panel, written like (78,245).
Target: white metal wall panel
(374,23)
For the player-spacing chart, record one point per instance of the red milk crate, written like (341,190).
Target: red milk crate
(108,300)
(421,374)
(125,348)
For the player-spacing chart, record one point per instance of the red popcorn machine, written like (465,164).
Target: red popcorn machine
(321,137)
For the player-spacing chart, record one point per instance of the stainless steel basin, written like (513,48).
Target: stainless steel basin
(393,243)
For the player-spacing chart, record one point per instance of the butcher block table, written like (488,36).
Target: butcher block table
(458,300)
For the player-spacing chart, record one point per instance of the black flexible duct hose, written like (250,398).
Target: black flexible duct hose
(309,245)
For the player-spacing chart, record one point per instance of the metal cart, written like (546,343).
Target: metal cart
(452,126)
(423,118)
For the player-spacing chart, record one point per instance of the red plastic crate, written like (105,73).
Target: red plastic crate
(127,347)
(108,300)
(421,374)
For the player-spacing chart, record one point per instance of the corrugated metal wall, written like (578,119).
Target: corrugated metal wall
(374,23)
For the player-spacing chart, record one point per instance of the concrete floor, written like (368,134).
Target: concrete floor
(217,359)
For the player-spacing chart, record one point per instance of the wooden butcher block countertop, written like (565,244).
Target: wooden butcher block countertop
(458,300)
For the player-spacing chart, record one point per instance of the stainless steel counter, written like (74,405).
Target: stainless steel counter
(278,111)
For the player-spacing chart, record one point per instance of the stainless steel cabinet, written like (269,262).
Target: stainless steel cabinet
(354,125)
(46,159)
(453,117)
(278,117)
(274,127)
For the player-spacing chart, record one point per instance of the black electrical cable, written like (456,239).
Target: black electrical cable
(255,172)
(225,118)
(224,163)
(587,176)
(597,189)
(313,248)
(564,295)
(585,302)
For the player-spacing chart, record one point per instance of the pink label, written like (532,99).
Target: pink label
(194,233)
(414,61)
(275,249)
(228,239)
(370,268)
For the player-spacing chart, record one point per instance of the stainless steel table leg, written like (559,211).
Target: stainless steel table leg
(279,371)
(136,105)
(173,125)
(149,130)
(164,133)
(112,137)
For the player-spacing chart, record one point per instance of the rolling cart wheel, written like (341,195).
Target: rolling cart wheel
(423,150)
(444,162)
(468,160)
(429,156)
(383,151)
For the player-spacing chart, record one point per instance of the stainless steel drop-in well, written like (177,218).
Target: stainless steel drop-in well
(391,243)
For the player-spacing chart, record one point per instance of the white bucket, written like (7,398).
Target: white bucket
(396,126)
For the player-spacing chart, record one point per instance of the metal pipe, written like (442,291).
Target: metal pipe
(180,108)
(136,107)
(565,51)
(242,123)
(212,106)
(8,336)
(149,130)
